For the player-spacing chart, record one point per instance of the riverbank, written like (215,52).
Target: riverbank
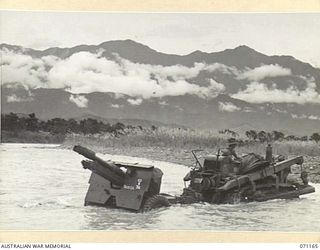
(31,137)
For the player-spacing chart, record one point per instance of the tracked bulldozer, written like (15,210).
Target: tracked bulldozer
(217,179)
(255,178)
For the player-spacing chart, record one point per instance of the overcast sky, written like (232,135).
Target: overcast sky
(272,34)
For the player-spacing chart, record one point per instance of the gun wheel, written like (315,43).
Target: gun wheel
(155,201)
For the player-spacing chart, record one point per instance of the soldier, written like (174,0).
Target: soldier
(233,162)
(230,151)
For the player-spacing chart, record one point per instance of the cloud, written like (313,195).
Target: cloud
(86,72)
(264,71)
(180,72)
(281,111)
(228,70)
(15,98)
(314,117)
(310,117)
(23,69)
(137,101)
(118,95)
(216,87)
(80,100)
(228,107)
(248,110)
(260,93)
(25,96)
(115,106)
(163,103)
(295,116)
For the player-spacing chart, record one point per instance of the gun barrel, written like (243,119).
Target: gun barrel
(85,152)
(92,156)
(104,172)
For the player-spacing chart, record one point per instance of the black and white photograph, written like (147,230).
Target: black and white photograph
(125,121)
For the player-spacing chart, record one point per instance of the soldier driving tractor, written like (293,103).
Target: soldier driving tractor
(230,150)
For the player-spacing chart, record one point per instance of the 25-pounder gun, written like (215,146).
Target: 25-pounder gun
(124,185)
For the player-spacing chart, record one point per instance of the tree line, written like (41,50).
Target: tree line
(263,136)
(14,123)
(58,126)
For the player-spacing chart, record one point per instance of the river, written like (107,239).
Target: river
(42,187)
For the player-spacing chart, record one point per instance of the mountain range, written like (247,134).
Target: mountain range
(128,80)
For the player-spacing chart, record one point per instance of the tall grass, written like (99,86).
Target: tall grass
(187,139)
(309,148)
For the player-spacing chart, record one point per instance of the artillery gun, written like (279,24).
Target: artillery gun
(122,185)
(216,180)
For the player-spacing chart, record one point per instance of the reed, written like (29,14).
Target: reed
(188,139)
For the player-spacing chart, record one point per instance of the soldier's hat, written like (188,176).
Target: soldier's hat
(232,141)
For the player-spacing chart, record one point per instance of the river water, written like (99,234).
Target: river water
(42,187)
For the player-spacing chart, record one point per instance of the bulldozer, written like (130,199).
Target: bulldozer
(217,179)
(255,178)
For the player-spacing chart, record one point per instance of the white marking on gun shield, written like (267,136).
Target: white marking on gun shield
(138,186)
(128,187)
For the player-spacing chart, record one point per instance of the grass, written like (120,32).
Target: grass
(309,148)
(159,138)
(187,139)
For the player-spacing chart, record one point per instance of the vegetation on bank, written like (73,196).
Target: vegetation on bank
(93,133)
(17,123)
(174,140)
